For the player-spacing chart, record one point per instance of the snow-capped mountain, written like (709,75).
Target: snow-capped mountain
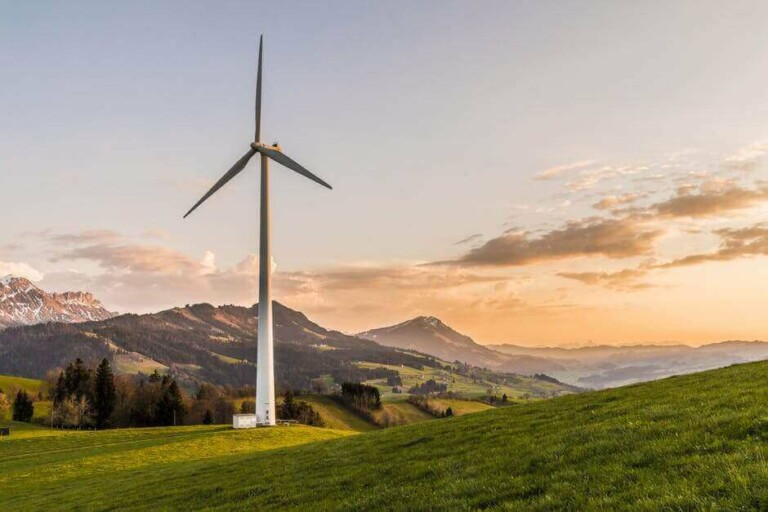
(23,303)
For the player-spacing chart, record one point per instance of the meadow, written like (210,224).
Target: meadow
(10,384)
(526,388)
(685,443)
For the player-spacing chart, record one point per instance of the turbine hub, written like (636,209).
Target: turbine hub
(258,146)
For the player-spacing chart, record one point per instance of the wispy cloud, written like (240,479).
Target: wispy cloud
(557,171)
(748,158)
(469,239)
(89,236)
(734,244)
(20,269)
(626,279)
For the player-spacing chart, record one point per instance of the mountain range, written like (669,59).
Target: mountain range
(607,366)
(204,343)
(594,367)
(23,303)
(216,344)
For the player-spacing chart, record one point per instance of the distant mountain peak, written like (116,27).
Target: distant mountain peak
(430,335)
(11,281)
(24,303)
(430,321)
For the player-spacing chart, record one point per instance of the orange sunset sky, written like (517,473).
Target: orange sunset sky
(533,173)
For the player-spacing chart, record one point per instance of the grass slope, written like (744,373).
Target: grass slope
(460,407)
(686,443)
(37,464)
(403,413)
(9,383)
(335,415)
(520,387)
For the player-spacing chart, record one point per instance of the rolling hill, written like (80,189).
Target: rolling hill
(203,343)
(684,443)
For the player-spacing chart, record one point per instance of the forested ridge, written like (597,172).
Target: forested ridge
(202,343)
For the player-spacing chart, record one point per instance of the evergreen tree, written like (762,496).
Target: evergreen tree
(104,394)
(23,408)
(170,405)
(60,393)
(208,417)
(176,402)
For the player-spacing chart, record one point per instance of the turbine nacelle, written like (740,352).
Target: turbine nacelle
(258,146)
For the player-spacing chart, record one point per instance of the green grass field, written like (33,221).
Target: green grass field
(337,416)
(697,442)
(461,384)
(402,413)
(10,385)
(460,407)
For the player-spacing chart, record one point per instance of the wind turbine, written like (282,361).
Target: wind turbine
(265,370)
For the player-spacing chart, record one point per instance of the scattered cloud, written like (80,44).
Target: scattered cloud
(611,238)
(470,238)
(20,269)
(748,158)
(557,171)
(734,243)
(627,279)
(614,203)
(156,233)
(589,178)
(90,236)
(134,258)
(712,198)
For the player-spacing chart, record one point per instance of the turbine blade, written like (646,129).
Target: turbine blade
(234,171)
(288,162)
(258,94)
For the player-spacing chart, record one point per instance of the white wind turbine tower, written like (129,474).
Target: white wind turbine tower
(265,378)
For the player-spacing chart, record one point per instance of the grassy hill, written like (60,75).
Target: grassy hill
(684,443)
(337,416)
(516,387)
(10,384)
(203,343)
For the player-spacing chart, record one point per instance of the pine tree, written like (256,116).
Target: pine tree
(104,394)
(176,403)
(23,408)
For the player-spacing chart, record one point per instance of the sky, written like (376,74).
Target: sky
(542,173)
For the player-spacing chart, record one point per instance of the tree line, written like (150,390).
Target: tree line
(425,404)
(429,387)
(86,397)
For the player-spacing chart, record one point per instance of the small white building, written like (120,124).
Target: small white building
(244,421)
